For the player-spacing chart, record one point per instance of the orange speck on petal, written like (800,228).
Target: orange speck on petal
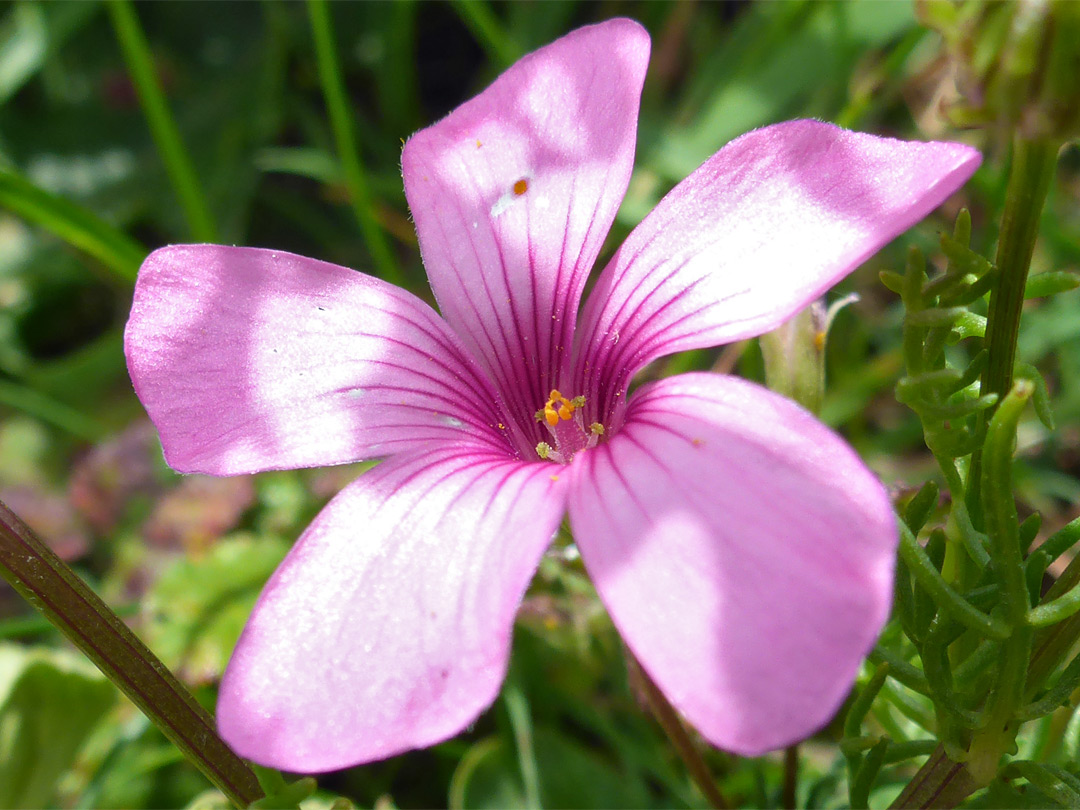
(478,144)
(521,186)
(554,478)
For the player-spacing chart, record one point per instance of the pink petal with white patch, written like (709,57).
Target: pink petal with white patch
(388,626)
(743,551)
(252,359)
(514,192)
(762,228)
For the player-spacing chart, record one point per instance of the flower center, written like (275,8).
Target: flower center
(564,422)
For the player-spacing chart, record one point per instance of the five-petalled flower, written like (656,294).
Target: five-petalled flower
(743,550)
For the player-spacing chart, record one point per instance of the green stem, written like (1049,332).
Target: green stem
(1032,170)
(677,734)
(1002,526)
(1029,182)
(789,791)
(337,106)
(940,782)
(52,587)
(178,164)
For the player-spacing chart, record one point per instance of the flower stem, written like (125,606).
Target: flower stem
(52,587)
(939,783)
(178,164)
(337,105)
(676,732)
(1032,170)
(1029,182)
(791,777)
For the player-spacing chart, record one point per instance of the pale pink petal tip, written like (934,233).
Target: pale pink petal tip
(388,626)
(745,554)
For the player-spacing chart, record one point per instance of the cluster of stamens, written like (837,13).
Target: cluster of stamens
(564,422)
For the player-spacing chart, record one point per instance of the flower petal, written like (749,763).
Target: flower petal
(514,192)
(744,552)
(252,359)
(388,626)
(762,228)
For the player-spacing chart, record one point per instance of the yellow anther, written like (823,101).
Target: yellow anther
(551,415)
(566,411)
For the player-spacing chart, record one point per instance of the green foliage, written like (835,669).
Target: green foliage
(49,702)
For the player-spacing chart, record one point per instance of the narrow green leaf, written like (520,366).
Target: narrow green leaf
(923,570)
(1057,783)
(867,773)
(485,26)
(341,122)
(1052,283)
(1041,397)
(178,165)
(900,669)
(1062,540)
(893,281)
(73,224)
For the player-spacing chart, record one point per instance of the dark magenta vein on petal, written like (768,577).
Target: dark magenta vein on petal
(503,332)
(602,309)
(639,331)
(465,397)
(470,419)
(491,362)
(601,491)
(436,324)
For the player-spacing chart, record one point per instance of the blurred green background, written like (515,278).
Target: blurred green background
(85,193)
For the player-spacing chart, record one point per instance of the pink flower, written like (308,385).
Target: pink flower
(742,549)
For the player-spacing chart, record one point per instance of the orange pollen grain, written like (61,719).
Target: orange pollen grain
(521,186)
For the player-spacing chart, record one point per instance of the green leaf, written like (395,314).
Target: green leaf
(49,702)
(198,607)
(1051,283)
(75,225)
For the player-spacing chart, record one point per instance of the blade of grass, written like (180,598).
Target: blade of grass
(337,106)
(485,27)
(178,163)
(72,223)
(49,410)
